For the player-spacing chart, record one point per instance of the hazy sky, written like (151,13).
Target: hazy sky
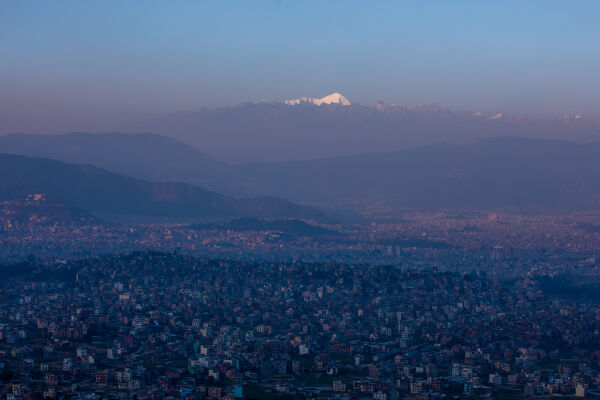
(92,65)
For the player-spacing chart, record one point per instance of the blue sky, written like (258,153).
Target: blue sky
(89,64)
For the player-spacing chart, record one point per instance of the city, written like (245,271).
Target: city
(303,200)
(156,325)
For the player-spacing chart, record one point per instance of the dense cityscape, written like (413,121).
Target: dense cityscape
(160,325)
(451,305)
(502,243)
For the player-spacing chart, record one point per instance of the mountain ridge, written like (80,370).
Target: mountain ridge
(494,173)
(100,191)
(274,131)
(141,155)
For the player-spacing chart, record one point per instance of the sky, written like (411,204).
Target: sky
(92,65)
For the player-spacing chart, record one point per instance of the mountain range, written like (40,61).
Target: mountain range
(493,173)
(106,193)
(145,156)
(310,128)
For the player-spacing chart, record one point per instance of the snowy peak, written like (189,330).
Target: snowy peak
(333,98)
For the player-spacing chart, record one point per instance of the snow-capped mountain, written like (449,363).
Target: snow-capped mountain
(309,128)
(333,98)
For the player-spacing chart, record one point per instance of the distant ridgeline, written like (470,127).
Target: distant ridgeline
(99,191)
(498,173)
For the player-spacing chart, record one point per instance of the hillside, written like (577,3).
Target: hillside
(145,156)
(99,191)
(496,173)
